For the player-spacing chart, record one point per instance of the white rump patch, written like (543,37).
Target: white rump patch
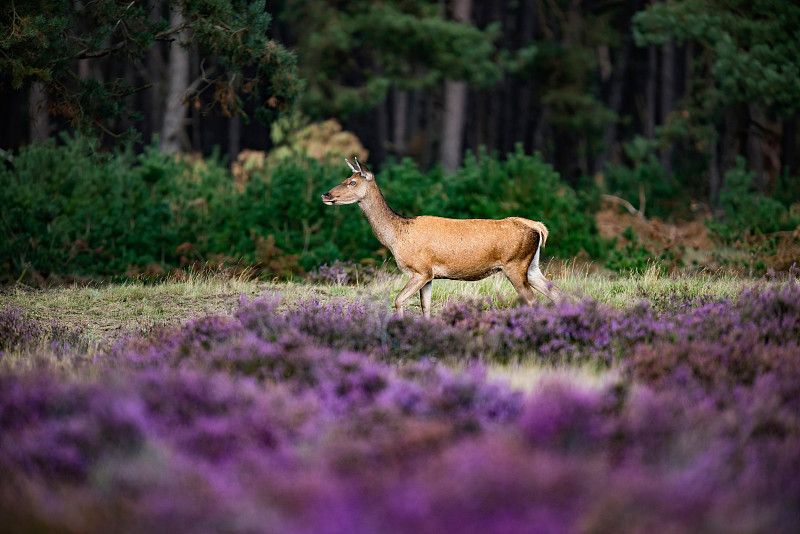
(533,268)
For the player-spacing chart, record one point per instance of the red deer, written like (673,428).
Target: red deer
(428,247)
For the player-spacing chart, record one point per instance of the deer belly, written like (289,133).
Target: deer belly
(464,272)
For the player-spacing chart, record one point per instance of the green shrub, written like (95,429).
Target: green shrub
(662,192)
(634,257)
(68,208)
(748,211)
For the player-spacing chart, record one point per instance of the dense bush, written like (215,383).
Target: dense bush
(747,211)
(645,175)
(70,209)
(270,421)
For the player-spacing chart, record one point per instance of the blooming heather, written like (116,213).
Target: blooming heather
(346,273)
(19,331)
(313,416)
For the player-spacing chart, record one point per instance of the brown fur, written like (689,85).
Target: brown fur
(428,247)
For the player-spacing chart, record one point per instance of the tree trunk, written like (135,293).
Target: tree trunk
(172,133)
(432,117)
(789,146)
(735,129)
(618,77)
(455,103)
(650,93)
(729,151)
(754,146)
(400,115)
(667,96)
(38,119)
(153,72)
(378,151)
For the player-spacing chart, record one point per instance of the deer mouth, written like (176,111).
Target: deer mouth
(328,200)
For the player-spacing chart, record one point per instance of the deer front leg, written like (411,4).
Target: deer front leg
(425,298)
(414,284)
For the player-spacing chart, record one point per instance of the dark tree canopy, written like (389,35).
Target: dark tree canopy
(351,53)
(669,93)
(62,44)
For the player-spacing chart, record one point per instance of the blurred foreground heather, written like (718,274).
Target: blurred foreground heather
(312,416)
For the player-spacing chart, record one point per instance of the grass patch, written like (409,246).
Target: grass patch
(107,311)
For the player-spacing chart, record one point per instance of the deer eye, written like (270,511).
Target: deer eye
(352,183)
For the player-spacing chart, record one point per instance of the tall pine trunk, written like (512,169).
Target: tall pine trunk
(650,92)
(38,119)
(399,121)
(455,103)
(173,137)
(667,96)
(754,146)
(789,146)
(617,85)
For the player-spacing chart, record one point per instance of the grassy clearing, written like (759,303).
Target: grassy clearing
(104,312)
(528,376)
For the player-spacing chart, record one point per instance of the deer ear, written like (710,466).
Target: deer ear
(363,170)
(350,165)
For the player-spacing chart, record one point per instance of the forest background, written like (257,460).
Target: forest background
(146,137)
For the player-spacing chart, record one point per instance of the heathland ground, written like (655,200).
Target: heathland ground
(221,404)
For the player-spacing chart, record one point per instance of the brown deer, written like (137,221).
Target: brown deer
(428,247)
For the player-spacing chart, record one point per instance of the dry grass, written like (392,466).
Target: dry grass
(106,311)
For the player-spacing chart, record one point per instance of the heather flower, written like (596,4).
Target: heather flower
(17,330)
(566,418)
(312,416)
(345,273)
(58,430)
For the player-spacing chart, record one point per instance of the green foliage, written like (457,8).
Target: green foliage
(69,209)
(634,257)
(565,72)
(352,53)
(743,66)
(753,45)
(747,211)
(41,40)
(644,175)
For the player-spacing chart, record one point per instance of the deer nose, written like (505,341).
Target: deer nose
(326,196)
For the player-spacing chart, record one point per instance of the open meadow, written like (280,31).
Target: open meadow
(215,404)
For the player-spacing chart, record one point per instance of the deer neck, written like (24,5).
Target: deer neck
(385,222)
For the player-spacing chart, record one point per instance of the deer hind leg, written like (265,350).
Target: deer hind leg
(541,284)
(415,283)
(545,286)
(425,298)
(517,276)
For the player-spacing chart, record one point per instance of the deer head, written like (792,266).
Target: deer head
(354,188)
